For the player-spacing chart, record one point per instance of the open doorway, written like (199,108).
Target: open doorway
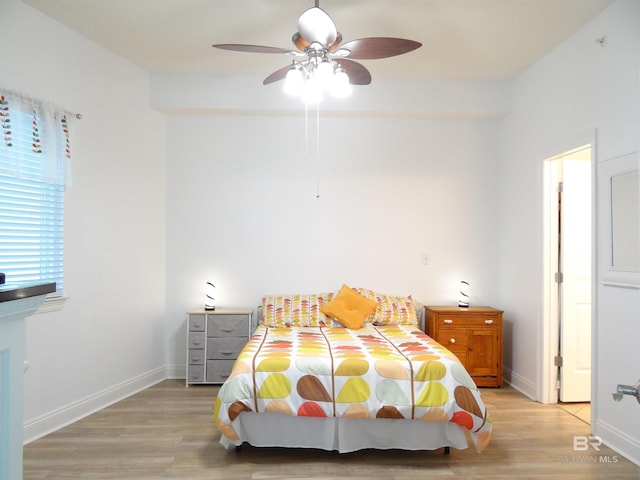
(568,273)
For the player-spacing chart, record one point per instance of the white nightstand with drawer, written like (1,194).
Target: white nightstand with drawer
(214,341)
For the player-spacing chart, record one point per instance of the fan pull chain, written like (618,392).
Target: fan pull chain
(317,150)
(306,133)
(306,143)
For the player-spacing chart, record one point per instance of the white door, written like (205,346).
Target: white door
(575,286)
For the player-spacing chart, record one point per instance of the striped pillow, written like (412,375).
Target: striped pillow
(299,310)
(392,310)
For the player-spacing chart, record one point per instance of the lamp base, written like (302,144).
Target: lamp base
(209,308)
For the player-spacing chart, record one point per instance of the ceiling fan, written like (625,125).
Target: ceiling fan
(321,62)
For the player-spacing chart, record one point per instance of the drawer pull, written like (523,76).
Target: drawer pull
(196,342)
(488,321)
(448,321)
(452,340)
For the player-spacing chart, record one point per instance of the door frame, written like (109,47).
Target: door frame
(551,301)
(547,373)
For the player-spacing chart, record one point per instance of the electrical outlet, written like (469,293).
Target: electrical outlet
(426,259)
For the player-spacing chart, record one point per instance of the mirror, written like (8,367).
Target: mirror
(625,221)
(618,213)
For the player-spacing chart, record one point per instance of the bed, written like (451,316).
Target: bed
(345,372)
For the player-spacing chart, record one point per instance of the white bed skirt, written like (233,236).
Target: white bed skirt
(343,434)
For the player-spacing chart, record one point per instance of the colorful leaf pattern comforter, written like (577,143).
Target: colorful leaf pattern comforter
(393,371)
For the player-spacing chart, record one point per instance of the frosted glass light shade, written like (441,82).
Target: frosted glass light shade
(312,91)
(324,73)
(341,87)
(293,82)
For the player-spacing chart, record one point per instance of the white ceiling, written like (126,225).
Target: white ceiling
(462,39)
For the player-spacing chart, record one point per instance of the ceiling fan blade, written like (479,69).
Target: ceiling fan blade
(358,74)
(279,74)
(315,25)
(236,47)
(379,47)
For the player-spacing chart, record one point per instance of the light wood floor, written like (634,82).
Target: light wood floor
(167,431)
(579,409)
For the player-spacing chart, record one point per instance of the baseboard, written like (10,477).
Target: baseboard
(75,411)
(176,371)
(622,443)
(519,383)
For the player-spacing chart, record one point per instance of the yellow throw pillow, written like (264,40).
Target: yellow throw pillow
(349,307)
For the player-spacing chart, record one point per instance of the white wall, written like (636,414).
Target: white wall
(242,209)
(428,174)
(579,87)
(108,338)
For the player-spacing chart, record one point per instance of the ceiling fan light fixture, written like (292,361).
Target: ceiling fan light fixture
(294,81)
(312,91)
(340,88)
(311,79)
(323,63)
(324,71)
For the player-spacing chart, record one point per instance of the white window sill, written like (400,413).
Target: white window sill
(51,304)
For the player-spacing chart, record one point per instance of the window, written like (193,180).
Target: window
(34,151)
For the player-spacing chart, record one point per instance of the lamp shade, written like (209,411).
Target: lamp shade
(463,300)
(209,300)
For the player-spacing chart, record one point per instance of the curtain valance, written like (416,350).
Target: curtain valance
(36,139)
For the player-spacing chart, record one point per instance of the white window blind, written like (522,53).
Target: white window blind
(34,152)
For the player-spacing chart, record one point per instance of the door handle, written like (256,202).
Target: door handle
(633,390)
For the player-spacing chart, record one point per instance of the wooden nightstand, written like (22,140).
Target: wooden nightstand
(214,340)
(474,335)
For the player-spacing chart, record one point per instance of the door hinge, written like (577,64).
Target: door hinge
(558,277)
(560,188)
(557,360)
